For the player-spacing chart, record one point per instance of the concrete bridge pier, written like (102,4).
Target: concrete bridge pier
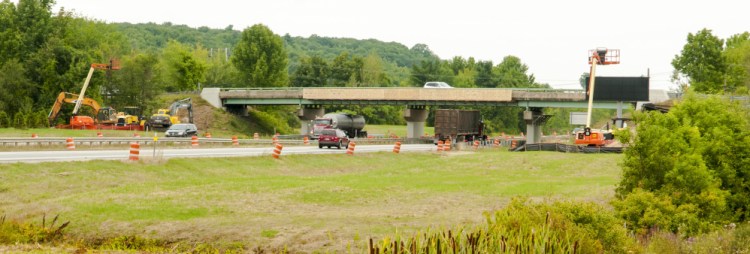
(534,119)
(415,116)
(306,115)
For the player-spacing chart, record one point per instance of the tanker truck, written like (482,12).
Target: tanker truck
(352,125)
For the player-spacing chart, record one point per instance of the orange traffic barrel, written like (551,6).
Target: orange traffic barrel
(69,144)
(476,145)
(397,147)
(235,141)
(306,140)
(33,135)
(135,150)
(513,144)
(277,151)
(194,141)
(99,134)
(447,145)
(136,135)
(350,151)
(440,146)
(275,139)
(256,136)
(208,135)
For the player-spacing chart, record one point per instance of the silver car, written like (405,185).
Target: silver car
(182,130)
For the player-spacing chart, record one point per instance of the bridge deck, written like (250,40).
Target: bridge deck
(403,94)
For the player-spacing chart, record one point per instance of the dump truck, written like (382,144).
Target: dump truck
(352,125)
(458,125)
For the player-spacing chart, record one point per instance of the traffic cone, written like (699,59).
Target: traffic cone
(33,135)
(397,147)
(134,151)
(69,144)
(306,140)
(235,141)
(277,151)
(350,151)
(194,141)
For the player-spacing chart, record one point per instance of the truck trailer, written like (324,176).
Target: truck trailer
(458,125)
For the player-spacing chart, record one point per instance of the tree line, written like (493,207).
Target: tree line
(44,53)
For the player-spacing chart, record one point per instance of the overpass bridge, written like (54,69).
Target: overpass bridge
(312,101)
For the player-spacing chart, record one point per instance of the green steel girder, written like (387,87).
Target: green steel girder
(567,104)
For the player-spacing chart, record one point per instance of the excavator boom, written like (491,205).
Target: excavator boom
(105,115)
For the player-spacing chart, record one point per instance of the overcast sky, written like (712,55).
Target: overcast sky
(551,37)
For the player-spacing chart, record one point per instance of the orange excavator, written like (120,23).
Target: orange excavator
(104,115)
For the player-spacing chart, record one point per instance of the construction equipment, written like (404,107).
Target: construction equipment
(86,122)
(129,116)
(599,56)
(113,65)
(104,115)
(180,111)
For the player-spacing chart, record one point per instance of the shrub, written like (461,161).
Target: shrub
(20,120)
(695,163)
(268,122)
(563,227)
(4,120)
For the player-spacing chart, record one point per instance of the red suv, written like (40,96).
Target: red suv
(333,137)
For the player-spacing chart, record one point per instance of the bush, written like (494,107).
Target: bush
(4,120)
(38,120)
(692,163)
(563,227)
(20,120)
(268,123)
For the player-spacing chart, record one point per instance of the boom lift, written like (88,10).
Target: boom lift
(86,122)
(601,56)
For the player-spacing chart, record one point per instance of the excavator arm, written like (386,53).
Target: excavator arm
(104,115)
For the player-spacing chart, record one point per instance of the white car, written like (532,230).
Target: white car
(437,84)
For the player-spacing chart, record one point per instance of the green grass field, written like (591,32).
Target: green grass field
(302,203)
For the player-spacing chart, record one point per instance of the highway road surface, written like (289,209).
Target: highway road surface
(146,152)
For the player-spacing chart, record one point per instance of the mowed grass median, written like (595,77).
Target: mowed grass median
(301,202)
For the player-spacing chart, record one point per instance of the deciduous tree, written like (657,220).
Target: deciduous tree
(701,61)
(260,58)
(695,160)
